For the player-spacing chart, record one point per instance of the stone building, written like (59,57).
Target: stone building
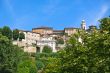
(83,25)
(58,32)
(30,37)
(39,37)
(29,43)
(43,30)
(70,31)
(46,41)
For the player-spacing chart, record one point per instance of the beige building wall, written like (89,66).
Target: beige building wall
(48,31)
(70,31)
(29,43)
(30,49)
(30,37)
(49,41)
(44,30)
(38,31)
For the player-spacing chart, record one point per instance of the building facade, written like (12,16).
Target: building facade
(39,37)
(29,43)
(46,41)
(83,25)
(70,31)
(30,37)
(43,30)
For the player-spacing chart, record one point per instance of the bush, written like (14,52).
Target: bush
(26,66)
(33,54)
(47,49)
(40,65)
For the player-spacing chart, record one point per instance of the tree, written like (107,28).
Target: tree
(39,65)
(9,55)
(26,66)
(15,34)
(47,49)
(90,56)
(53,65)
(21,36)
(105,24)
(47,62)
(6,31)
(0,30)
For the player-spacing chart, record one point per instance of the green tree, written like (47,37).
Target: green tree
(27,66)
(9,55)
(47,49)
(53,65)
(40,65)
(21,36)
(6,31)
(90,56)
(105,24)
(47,62)
(15,34)
(0,30)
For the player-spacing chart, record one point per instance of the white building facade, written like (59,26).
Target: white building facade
(46,41)
(29,43)
(30,37)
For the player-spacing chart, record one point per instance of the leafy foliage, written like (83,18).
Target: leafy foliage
(90,56)
(40,65)
(105,24)
(21,36)
(15,34)
(27,66)
(6,31)
(9,55)
(0,30)
(47,49)
(47,62)
(53,65)
(12,56)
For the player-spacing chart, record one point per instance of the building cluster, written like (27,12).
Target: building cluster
(39,37)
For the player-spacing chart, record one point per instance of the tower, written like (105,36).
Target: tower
(83,25)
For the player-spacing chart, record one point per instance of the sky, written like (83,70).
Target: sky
(28,14)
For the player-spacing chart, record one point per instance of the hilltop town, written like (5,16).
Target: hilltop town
(39,37)
(54,36)
(44,50)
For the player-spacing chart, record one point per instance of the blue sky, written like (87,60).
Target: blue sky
(28,14)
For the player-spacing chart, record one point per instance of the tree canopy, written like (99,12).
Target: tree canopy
(12,56)
(6,31)
(9,55)
(21,36)
(90,56)
(15,34)
(47,49)
(105,24)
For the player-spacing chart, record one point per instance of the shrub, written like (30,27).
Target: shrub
(47,49)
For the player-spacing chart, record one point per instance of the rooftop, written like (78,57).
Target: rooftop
(71,28)
(43,27)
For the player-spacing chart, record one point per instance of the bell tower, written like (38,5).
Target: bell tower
(83,25)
